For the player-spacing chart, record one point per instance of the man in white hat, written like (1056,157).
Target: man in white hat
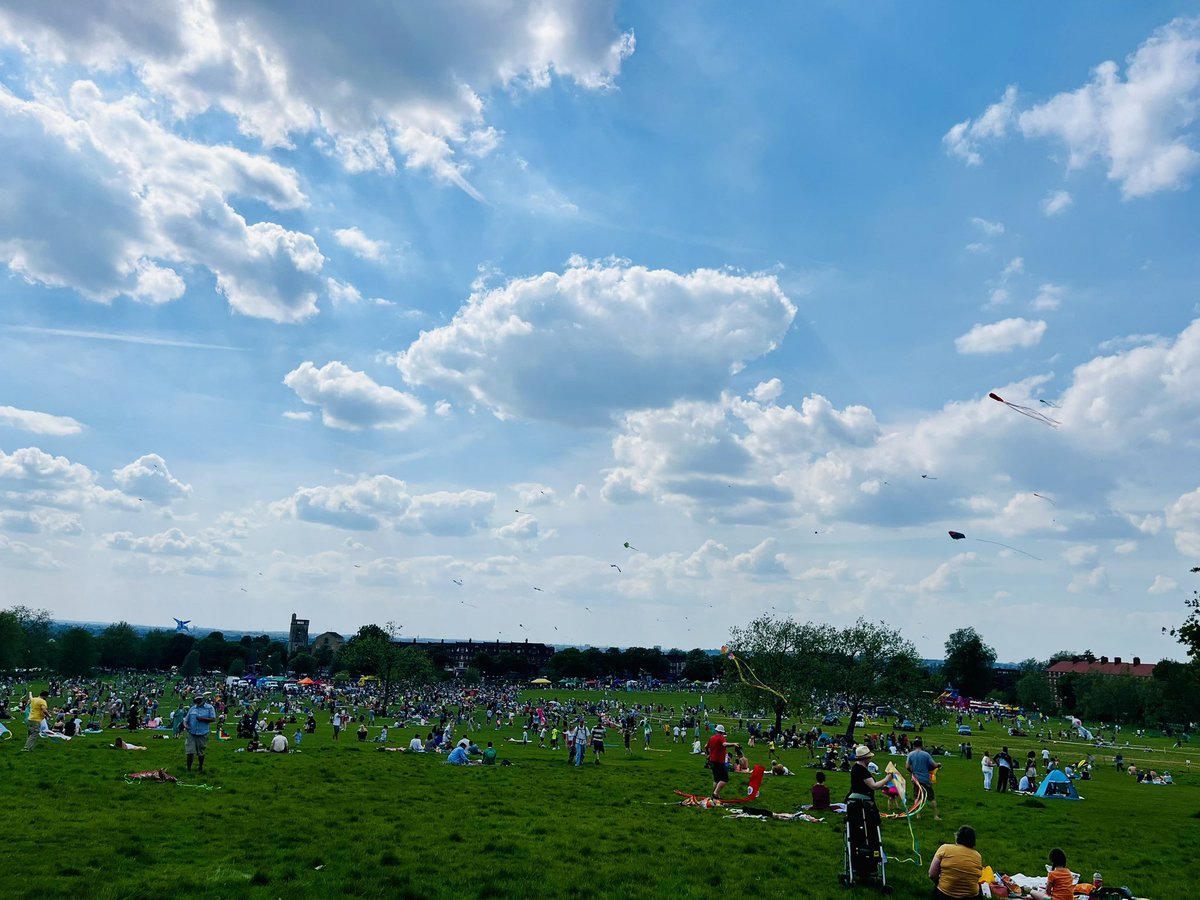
(718,755)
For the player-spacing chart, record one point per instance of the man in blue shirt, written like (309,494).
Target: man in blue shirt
(458,757)
(921,767)
(195,730)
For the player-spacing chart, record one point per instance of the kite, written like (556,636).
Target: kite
(1196,568)
(181,625)
(1048,403)
(615,566)
(1044,497)
(930,477)
(1027,411)
(457,581)
(707,802)
(959,536)
(757,682)
(907,811)
(539,589)
(629,546)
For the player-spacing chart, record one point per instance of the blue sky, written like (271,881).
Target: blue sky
(329,313)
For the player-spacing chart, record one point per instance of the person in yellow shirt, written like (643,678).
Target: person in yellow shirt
(39,711)
(956,867)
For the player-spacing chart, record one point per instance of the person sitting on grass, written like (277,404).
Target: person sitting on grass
(1028,785)
(777,768)
(956,868)
(489,755)
(279,743)
(1060,883)
(820,793)
(362,731)
(741,764)
(458,757)
(697,749)
(382,739)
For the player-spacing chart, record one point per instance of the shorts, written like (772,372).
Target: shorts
(930,794)
(720,772)
(598,746)
(194,744)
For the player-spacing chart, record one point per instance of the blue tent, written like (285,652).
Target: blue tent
(5,734)
(1057,786)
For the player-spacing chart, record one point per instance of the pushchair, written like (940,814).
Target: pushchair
(865,859)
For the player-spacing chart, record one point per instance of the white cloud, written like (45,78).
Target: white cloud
(762,560)
(963,140)
(376,501)
(1015,267)
(523,528)
(341,293)
(1049,297)
(354,240)
(303,415)
(1001,337)
(148,478)
(998,297)
(31,478)
(1138,126)
(41,521)
(991,229)
(105,200)
(20,555)
(599,339)
(531,494)
(38,422)
(1056,203)
(414,97)
(1162,585)
(172,542)
(1081,554)
(1184,517)
(1094,581)
(352,400)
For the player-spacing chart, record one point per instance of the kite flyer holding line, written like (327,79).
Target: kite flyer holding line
(196,726)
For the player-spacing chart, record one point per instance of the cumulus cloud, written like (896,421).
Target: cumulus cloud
(373,502)
(964,139)
(352,400)
(991,229)
(38,422)
(354,240)
(583,346)
(31,477)
(107,201)
(1184,517)
(41,521)
(172,542)
(148,478)
(1056,203)
(1162,585)
(1094,581)
(20,555)
(1001,337)
(1049,297)
(762,560)
(1137,125)
(416,98)
(522,529)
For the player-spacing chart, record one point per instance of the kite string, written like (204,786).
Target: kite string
(757,682)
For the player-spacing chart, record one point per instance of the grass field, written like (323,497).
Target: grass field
(346,819)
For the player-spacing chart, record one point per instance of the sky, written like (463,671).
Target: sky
(603,323)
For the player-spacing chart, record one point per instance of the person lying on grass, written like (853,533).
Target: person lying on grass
(122,744)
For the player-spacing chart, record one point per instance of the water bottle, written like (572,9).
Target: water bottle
(1097,881)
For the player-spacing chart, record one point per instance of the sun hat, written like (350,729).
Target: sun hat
(862,751)
(720,729)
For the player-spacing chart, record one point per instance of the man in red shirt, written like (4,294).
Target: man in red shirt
(717,760)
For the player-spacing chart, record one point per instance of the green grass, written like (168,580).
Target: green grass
(345,819)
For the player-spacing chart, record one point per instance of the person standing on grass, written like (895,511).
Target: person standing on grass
(627,732)
(988,769)
(647,730)
(337,724)
(581,739)
(598,740)
(39,712)
(718,760)
(1004,769)
(921,767)
(196,725)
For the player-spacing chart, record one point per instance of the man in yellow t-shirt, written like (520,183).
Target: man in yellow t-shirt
(956,867)
(39,711)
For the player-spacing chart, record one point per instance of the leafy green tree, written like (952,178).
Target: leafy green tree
(774,651)
(77,652)
(12,641)
(471,676)
(152,654)
(970,663)
(237,668)
(413,666)
(190,667)
(697,666)
(120,646)
(1180,683)
(303,663)
(1033,692)
(1188,633)
(178,647)
(37,646)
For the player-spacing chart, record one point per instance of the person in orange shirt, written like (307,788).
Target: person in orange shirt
(1060,885)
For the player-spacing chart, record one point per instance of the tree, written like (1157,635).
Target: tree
(1033,692)
(12,641)
(119,646)
(413,666)
(865,665)
(190,667)
(1188,633)
(303,663)
(237,668)
(774,650)
(37,646)
(1180,691)
(77,652)
(372,651)
(697,666)
(154,650)
(970,663)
